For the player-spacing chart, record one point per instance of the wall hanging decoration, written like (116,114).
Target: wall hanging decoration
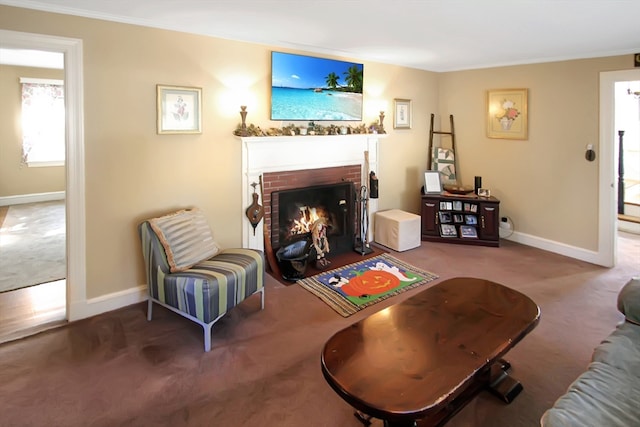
(507,116)
(402,114)
(179,109)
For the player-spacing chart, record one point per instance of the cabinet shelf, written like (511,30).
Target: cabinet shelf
(467,220)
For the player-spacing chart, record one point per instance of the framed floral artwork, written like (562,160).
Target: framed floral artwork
(179,109)
(507,116)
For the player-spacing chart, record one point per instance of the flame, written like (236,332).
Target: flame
(305,220)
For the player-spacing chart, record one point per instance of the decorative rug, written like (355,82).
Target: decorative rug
(356,286)
(32,245)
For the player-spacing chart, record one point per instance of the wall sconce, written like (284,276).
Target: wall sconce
(243,115)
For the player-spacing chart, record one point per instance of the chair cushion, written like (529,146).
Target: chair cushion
(186,237)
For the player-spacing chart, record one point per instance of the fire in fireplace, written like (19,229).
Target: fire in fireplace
(296,211)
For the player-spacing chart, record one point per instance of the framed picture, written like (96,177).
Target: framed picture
(448,230)
(179,109)
(402,114)
(445,217)
(432,184)
(507,116)
(484,192)
(470,219)
(468,231)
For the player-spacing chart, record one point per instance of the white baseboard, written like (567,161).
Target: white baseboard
(555,247)
(31,198)
(104,303)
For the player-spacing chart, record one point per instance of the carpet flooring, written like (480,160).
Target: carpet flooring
(117,369)
(32,245)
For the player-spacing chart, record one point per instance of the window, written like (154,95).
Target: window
(43,123)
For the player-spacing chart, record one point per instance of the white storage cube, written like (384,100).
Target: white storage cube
(397,229)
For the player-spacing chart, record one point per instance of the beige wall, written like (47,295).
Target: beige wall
(15,177)
(132,173)
(545,184)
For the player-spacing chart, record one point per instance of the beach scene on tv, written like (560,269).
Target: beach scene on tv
(310,88)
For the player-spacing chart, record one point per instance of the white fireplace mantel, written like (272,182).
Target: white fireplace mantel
(290,153)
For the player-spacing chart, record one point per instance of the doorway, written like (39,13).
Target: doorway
(74,285)
(627,116)
(608,170)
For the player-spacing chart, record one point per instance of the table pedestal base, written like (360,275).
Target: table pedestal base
(496,380)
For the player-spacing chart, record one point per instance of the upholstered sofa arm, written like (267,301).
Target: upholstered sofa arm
(629,300)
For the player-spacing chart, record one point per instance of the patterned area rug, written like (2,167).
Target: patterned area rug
(356,286)
(32,245)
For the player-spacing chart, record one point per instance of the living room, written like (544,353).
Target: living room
(131,173)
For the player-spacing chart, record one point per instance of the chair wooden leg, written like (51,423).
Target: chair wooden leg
(149,309)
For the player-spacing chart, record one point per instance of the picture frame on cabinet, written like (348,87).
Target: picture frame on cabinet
(401,113)
(432,183)
(468,231)
(445,217)
(178,109)
(448,230)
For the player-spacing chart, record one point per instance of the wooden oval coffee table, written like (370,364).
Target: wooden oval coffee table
(426,357)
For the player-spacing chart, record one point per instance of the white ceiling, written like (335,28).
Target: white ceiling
(434,35)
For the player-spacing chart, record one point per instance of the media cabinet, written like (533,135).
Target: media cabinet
(462,219)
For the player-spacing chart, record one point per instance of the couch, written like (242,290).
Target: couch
(191,275)
(607,394)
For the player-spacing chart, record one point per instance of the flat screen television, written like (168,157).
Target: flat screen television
(309,88)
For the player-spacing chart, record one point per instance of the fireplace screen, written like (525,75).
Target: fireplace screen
(294,213)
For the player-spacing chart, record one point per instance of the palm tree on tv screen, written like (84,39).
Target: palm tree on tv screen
(354,78)
(332,80)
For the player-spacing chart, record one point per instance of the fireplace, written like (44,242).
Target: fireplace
(280,162)
(295,212)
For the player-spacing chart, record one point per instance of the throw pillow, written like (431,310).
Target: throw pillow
(186,237)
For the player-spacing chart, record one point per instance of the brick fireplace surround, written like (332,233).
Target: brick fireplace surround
(298,161)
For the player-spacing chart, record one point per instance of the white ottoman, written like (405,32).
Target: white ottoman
(396,229)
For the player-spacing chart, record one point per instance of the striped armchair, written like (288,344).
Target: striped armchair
(201,290)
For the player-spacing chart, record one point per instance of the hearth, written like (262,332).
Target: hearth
(294,213)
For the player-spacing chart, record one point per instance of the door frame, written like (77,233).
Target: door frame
(608,183)
(74,164)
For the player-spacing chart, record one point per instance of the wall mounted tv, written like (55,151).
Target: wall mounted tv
(309,88)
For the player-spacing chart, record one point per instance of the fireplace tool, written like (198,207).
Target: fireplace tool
(362,244)
(255,211)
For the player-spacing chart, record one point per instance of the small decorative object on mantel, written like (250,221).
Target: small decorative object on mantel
(244,130)
(243,125)
(255,212)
